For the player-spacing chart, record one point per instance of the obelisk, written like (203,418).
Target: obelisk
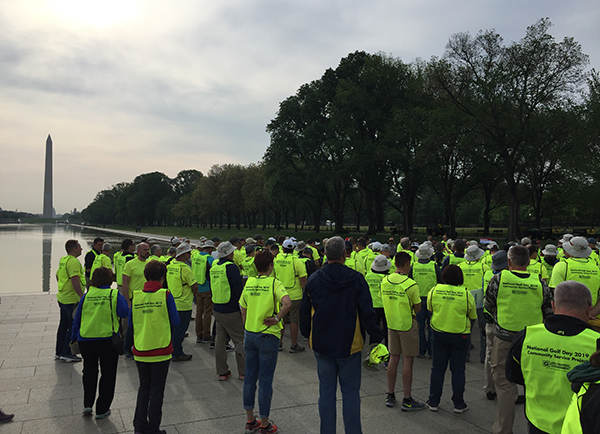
(48,180)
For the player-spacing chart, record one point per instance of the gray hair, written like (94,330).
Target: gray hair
(155,248)
(106,247)
(519,255)
(334,250)
(572,296)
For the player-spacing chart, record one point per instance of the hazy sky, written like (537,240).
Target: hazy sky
(132,86)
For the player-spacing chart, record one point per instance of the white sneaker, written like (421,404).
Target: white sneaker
(71,359)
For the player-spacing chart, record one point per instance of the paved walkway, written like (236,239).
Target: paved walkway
(46,395)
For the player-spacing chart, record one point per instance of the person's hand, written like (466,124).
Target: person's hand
(270,321)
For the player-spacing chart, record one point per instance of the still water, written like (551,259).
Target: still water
(29,254)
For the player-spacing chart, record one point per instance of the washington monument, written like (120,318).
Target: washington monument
(48,180)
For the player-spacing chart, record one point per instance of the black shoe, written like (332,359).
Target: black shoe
(411,405)
(491,395)
(390,401)
(5,417)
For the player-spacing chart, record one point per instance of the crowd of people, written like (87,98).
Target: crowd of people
(533,308)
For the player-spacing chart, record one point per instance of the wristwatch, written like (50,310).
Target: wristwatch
(277,318)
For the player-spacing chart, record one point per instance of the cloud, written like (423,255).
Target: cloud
(136,86)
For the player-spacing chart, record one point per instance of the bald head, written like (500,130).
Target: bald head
(572,298)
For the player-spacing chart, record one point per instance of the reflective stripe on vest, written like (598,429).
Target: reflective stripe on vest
(519,302)
(425,276)
(150,318)
(396,304)
(219,284)
(450,309)
(97,311)
(545,360)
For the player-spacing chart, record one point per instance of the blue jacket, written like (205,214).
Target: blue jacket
(335,298)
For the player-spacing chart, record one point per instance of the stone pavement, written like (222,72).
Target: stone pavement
(46,395)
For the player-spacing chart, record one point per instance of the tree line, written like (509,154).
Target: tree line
(489,132)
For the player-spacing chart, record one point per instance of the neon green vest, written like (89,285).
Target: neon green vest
(572,424)
(519,302)
(284,269)
(535,267)
(261,302)
(100,260)
(199,264)
(120,260)
(585,271)
(545,360)
(396,303)
(249,267)
(219,284)
(374,281)
(473,272)
(450,309)
(97,311)
(66,293)
(425,276)
(455,260)
(151,324)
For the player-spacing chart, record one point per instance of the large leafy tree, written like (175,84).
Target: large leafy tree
(503,89)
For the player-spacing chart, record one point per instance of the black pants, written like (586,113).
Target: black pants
(92,353)
(148,411)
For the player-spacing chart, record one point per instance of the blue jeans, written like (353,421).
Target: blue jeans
(63,334)
(261,350)
(348,370)
(179,332)
(448,347)
(423,318)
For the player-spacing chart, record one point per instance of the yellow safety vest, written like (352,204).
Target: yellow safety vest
(397,304)
(374,281)
(151,325)
(545,360)
(199,264)
(455,260)
(586,271)
(99,307)
(519,301)
(285,270)
(425,276)
(66,292)
(261,302)
(219,284)
(449,307)
(120,260)
(100,260)
(572,422)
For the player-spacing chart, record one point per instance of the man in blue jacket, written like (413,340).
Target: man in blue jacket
(342,307)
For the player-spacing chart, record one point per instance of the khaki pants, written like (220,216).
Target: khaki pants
(505,390)
(487,368)
(229,324)
(204,308)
